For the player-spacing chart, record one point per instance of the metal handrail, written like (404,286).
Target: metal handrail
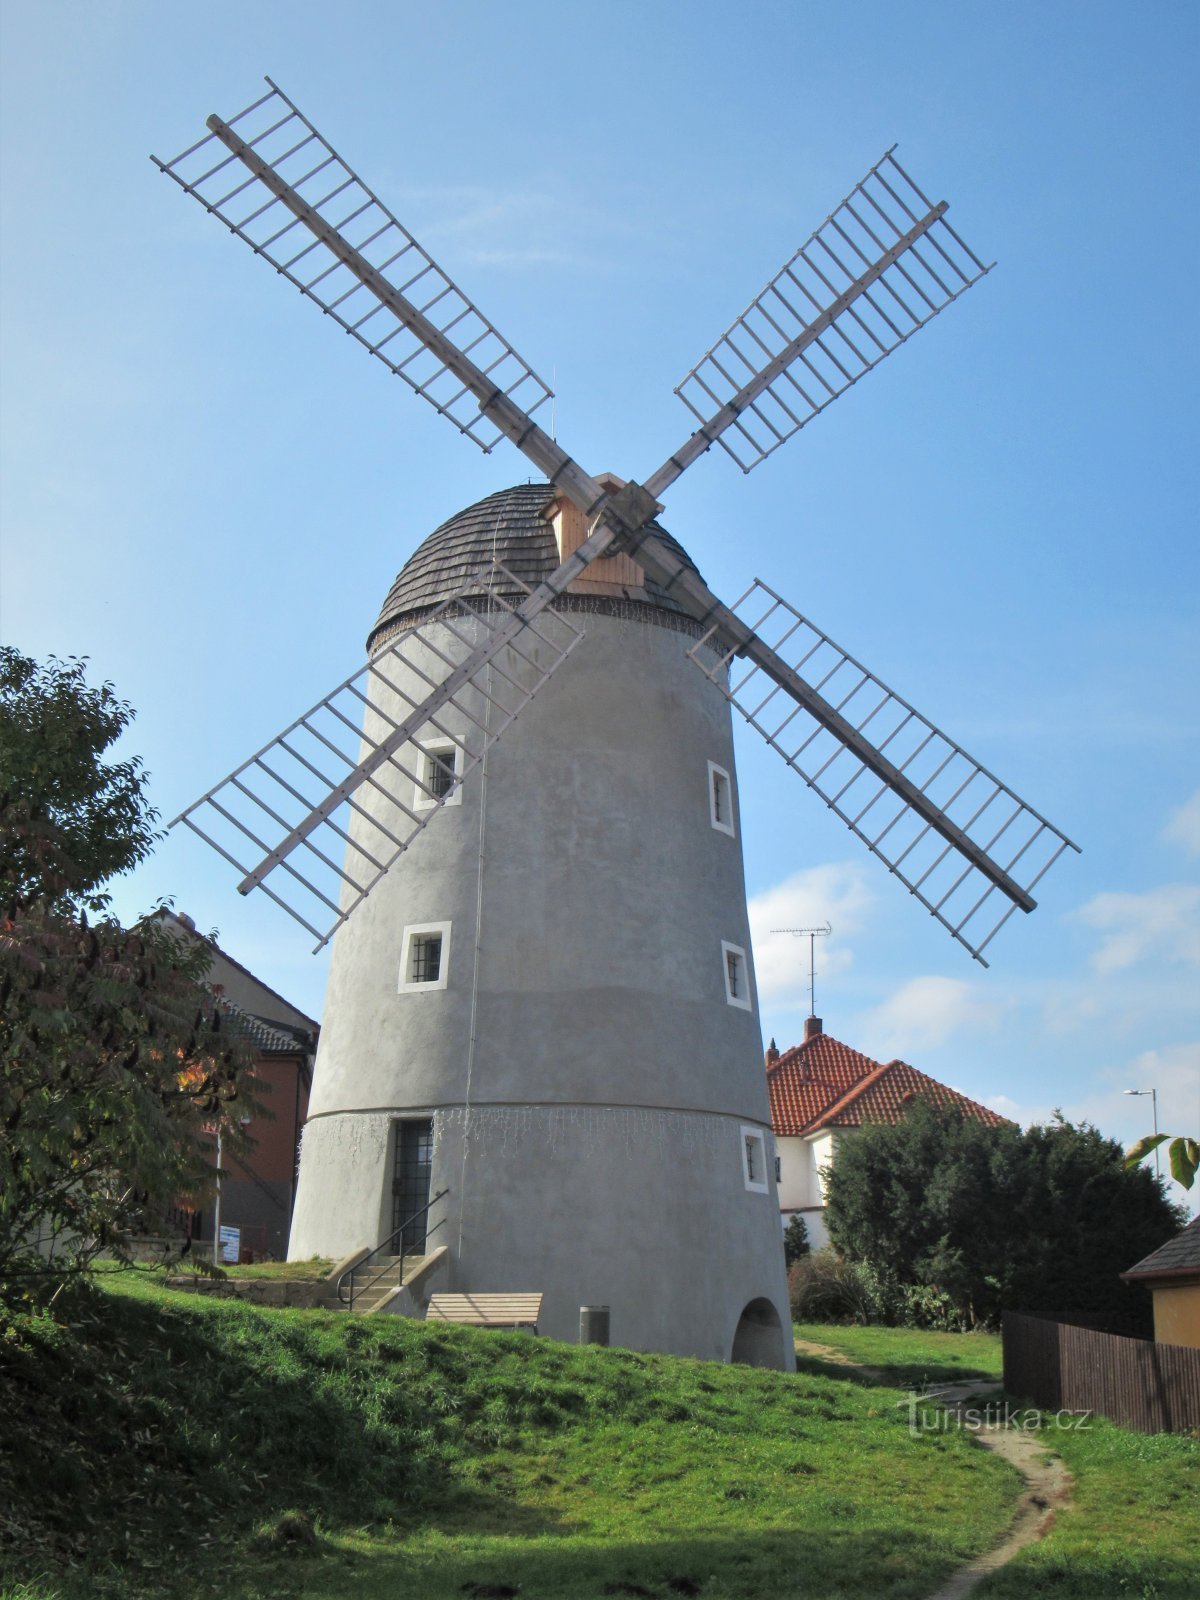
(371,1254)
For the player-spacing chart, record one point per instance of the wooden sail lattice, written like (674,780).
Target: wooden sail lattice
(882,265)
(284,145)
(867,791)
(331,803)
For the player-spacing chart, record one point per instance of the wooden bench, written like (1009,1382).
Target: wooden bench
(486,1310)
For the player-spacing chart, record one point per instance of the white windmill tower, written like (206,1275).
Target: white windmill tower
(540,1043)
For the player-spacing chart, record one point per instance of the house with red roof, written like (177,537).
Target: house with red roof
(820,1091)
(258,1186)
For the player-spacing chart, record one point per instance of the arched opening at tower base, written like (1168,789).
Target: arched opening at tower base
(758,1341)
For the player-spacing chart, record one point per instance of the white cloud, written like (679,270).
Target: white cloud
(1183,826)
(839,895)
(926,1012)
(1173,1070)
(1160,924)
(515,227)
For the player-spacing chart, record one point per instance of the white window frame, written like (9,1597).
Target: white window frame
(754,1136)
(743,1002)
(716,773)
(418,930)
(428,750)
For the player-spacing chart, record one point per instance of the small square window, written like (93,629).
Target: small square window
(425,959)
(720,799)
(754,1160)
(438,766)
(737,975)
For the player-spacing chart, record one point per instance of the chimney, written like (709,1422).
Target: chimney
(772,1054)
(188,922)
(812,1027)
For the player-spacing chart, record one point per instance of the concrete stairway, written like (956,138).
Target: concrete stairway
(370,1296)
(383,1289)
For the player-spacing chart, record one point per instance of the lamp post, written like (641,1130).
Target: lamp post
(1153,1093)
(216,1253)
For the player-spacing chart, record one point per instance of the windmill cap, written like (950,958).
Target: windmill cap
(511,525)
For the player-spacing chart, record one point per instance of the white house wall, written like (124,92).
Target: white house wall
(801,1187)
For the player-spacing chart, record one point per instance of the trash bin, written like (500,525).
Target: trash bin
(593,1324)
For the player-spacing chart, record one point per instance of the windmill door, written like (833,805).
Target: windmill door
(410,1184)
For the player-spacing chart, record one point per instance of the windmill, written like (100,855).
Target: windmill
(545,1010)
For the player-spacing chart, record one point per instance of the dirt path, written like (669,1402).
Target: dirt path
(1047,1486)
(838,1358)
(1047,1481)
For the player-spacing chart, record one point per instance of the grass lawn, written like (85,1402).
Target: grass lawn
(1132,1528)
(1133,1525)
(906,1356)
(294,1271)
(176,1445)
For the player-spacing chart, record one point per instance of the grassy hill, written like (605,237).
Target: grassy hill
(176,1446)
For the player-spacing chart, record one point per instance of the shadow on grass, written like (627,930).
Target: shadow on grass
(142,1427)
(884,1564)
(1079,1576)
(893,1374)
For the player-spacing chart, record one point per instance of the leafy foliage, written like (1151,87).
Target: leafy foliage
(113,1060)
(795,1240)
(824,1286)
(69,820)
(1183,1153)
(1042,1221)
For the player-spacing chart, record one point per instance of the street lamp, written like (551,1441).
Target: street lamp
(1153,1093)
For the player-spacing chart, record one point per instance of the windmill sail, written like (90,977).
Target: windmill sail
(327,807)
(881,265)
(239,173)
(959,839)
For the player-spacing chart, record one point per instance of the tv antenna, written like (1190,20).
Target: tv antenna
(812,935)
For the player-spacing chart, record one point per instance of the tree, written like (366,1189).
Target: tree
(69,820)
(115,1064)
(1042,1221)
(795,1240)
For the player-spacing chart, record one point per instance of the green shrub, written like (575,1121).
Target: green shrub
(826,1287)
(795,1241)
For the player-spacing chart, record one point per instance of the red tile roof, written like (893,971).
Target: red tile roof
(822,1083)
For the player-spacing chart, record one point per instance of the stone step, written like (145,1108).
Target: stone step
(370,1295)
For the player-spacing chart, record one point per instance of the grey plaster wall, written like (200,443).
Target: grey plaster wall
(588,895)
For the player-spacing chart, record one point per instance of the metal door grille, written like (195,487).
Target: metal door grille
(410,1184)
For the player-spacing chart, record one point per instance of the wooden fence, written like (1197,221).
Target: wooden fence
(1152,1387)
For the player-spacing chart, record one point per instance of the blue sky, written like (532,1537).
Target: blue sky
(208,493)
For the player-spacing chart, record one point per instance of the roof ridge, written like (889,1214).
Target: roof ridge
(233,961)
(854,1091)
(948,1088)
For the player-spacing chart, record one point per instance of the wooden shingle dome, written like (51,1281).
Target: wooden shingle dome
(514,526)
